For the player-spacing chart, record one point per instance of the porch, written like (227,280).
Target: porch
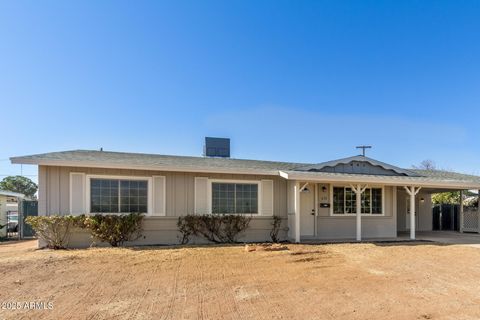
(438,237)
(315,214)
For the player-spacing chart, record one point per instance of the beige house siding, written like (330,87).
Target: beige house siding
(423,209)
(54,198)
(54,194)
(338,227)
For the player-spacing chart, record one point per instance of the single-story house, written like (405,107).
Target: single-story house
(352,198)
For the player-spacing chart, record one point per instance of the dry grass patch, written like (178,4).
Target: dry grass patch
(337,281)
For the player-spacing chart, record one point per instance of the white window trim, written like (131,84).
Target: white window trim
(259,195)
(354,214)
(114,177)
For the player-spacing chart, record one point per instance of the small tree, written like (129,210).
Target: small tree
(426,165)
(19,184)
(452,197)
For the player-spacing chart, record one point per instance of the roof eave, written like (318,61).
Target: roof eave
(92,164)
(385,180)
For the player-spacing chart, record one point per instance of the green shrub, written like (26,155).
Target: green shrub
(188,227)
(214,228)
(276,223)
(233,225)
(54,230)
(114,229)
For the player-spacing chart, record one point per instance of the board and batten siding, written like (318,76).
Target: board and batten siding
(344,227)
(54,188)
(423,209)
(54,198)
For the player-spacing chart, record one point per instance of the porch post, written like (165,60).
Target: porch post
(297,211)
(359,214)
(461,211)
(412,191)
(358,196)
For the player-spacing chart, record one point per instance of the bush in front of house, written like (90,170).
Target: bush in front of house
(276,224)
(54,230)
(114,229)
(214,228)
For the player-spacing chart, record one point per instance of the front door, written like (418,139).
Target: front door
(307,211)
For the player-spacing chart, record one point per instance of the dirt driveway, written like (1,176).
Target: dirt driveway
(341,281)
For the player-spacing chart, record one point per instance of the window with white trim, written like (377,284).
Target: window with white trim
(240,198)
(118,196)
(345,201)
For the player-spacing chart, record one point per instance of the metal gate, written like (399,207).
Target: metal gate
(446,217)
(471,221)
(27,208)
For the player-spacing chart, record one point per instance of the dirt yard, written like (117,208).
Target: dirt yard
(341,281)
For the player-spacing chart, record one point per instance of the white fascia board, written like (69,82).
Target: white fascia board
(143,167)
(425,182)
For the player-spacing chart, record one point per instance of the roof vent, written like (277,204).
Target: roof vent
(217,147)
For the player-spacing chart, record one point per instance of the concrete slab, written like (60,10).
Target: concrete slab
(447,237)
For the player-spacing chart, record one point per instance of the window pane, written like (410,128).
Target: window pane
(366,201)
(246,198)
(234,198)
(350,201)
(223,198)
(377,201)
(133,196)
(339,200)
(103,196)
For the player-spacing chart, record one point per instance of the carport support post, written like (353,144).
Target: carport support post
(412,191)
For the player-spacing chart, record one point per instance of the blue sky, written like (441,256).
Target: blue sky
(285,80)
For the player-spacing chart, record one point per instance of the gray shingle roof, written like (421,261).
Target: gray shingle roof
(141,160)
(447,175)
(154,160)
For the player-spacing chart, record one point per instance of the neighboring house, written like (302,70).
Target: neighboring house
(8,207)
(316,201)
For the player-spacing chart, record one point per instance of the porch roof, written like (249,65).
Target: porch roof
(428,179)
